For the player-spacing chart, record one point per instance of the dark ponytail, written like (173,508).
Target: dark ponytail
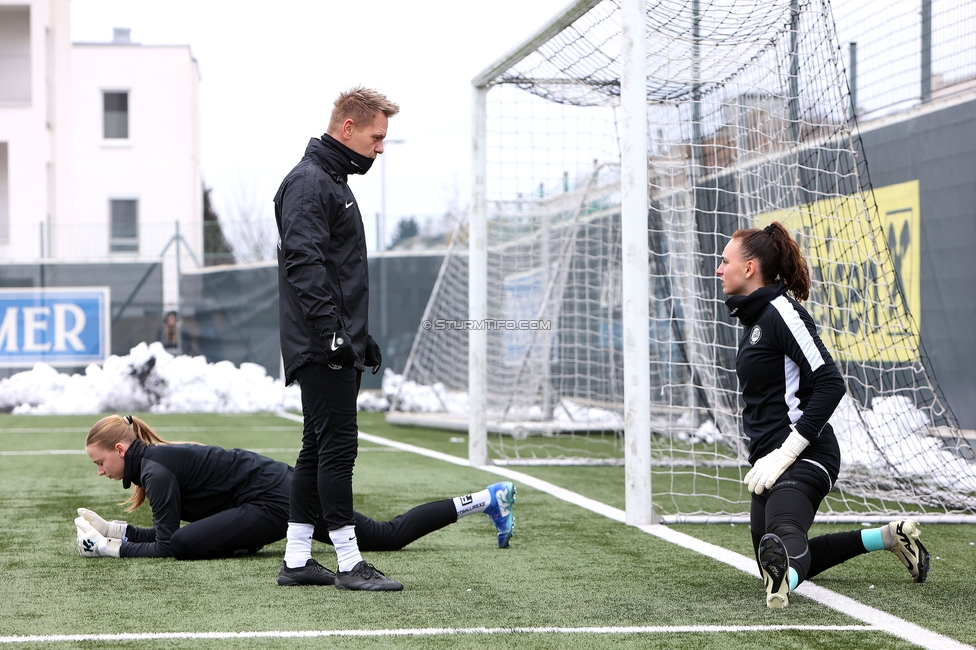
(778,255)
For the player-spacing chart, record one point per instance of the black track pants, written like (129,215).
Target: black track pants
(321,488)
(788,509)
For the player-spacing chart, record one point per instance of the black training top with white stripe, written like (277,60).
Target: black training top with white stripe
(786,376)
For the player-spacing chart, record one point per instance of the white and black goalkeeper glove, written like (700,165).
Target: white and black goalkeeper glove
(91,543)
(771,466)
(112,529)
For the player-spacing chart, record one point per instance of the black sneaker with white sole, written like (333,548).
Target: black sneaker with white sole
(775,564)
(365,577)
(312,573)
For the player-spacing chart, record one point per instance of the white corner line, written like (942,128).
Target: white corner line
(884,621)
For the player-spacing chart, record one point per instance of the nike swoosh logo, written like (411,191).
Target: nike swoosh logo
(350,203)
(334,348)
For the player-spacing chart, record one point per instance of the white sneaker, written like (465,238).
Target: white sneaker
(909,548)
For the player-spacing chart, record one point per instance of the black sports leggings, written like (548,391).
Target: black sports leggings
(243,529)
(787,510)
(393,535)
(247,528)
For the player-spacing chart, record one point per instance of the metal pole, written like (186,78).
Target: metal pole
(794,78)
(381,224)
(853,79)
(478,285)
(636,316)
(381,246)
(926,50)
(179,288)
(696,135)
(42,265)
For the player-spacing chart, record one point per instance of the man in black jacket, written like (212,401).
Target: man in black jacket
(323,287)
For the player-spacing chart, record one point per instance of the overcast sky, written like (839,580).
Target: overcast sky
(270,71)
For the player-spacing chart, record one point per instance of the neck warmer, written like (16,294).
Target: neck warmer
(748,308)
(346,160)
(133,464)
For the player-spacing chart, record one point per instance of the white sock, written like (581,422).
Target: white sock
(346,547)
(298,547)
(472,503)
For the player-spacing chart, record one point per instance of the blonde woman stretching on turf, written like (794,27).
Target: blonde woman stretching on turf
(236,501)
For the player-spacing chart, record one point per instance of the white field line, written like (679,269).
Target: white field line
(875,620)
(429,631)
(873,617)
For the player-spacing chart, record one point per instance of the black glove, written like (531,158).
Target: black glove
(373,357)
(338,350)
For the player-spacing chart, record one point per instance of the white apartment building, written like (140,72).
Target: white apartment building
(99,144)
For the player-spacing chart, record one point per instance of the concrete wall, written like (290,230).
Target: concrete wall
(936,145)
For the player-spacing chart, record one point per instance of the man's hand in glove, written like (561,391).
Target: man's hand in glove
(338,350)
(373,357)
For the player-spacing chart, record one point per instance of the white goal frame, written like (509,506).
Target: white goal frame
(637,404)
(635,343)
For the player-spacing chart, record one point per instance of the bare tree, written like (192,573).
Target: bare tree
(249,226)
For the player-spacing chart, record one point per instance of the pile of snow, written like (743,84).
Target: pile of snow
(148,379)
(893,437)
(416,398)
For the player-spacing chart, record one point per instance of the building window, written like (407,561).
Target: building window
(125,226)
(116,115)
(15,63)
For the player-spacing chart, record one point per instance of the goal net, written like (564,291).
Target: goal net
(748,122)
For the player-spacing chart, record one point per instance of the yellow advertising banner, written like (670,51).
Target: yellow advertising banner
(866,296)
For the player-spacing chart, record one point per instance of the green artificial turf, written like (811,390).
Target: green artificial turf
(567,567)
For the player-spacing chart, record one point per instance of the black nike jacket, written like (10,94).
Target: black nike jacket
(323,277)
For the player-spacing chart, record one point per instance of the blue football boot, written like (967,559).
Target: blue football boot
(500,510)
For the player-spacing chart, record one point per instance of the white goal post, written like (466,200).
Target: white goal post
(577,318)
